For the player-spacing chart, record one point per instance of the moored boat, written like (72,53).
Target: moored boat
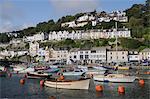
(99,67)
(114,78)
(69,84)
(95,72)
(74,73)
(29,69)
(38,74)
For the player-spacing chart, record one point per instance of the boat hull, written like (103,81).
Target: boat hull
(36,75)
(127,79)
(73,73)
(79,84)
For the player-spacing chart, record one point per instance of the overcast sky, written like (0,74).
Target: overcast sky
(19,14)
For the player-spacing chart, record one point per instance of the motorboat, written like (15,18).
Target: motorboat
(52,70)
(76,72)
(99,67)
(68,84)
(95,72)
(122,67)
(41,68)
(114,78)
(38,74)
(29,69)
(19,68)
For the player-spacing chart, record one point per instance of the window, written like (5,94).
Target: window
(81,56)
(123,57)
(111,53)
(75,56)
(86,52)
(93,51)
(122,52)
(111,57)
(86,56)
(81,52)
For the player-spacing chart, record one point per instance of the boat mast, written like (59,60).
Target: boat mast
(116,36)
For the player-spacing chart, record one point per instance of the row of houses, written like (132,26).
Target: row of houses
(96,18)
(74,35)
(93,55)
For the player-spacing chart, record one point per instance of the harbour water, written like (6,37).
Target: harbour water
(11,88)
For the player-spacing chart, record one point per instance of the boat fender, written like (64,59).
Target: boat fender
(121,89)
(42,83)
(22,81)
(99,88)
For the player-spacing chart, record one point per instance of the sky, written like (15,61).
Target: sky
(20,14)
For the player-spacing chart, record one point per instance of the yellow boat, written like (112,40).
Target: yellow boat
(122,67)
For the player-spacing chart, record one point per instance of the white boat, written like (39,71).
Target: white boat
(18,68)
(95,72)
(83,68)
(38,74)
(114,78)
(30,69)
(69,84)
(74,73)
(99,67)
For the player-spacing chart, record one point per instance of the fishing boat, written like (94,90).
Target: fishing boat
(99,67)
(18,68)
(122,67)
(29,69)
(114,78)
(69,84)
(38,74)
(41,68)
(95,72)
(3,73)
(76,72)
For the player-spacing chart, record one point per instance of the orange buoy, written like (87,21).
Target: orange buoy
(42,83)
(121,89)
(141,82)
(22,81)
(52,97)
(99,88)
(61,77)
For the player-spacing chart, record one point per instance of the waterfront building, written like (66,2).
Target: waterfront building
(134,56)
(117,56)
(98,54)
(60,54)
(145,54)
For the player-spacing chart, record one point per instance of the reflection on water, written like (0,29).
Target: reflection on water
(10,88)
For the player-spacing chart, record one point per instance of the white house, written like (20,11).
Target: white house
(58,54)
(33,48)
(68,24)
(134,56)
(117,56)
(145,54)
(77,55)
(98,54)
(36,37)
